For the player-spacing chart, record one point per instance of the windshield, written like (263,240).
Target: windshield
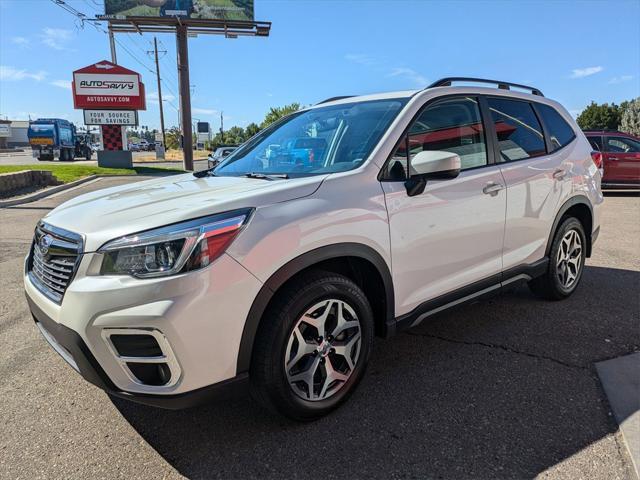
(317,141)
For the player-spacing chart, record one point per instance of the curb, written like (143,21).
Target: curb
(58,188)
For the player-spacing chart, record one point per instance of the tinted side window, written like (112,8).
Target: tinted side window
(560,131)
(519,132)
(622,145)
(596,142)
(452,125)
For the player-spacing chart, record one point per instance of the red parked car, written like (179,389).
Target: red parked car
(621,157)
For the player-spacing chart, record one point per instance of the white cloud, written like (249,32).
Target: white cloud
(56,38)
(585,72)
(203,111)
(153,97)
(22,41)
(410,75)
(621,79)
(360,58)
(62,84)
(14,74)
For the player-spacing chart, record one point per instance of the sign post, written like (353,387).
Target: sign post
(231,18)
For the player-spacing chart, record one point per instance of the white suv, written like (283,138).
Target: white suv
(356,217)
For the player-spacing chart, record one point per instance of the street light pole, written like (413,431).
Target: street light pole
(112,45)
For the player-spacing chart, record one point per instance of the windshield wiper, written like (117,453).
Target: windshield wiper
(204,173)
(264,176)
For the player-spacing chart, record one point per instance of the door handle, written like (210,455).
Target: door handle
(559,174)
(612,158)
(492,188)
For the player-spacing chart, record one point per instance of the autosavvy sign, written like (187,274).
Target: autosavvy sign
(107,85)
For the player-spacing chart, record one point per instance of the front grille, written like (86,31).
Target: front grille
(54,257)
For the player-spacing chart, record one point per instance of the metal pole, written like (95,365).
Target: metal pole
(185,96)
(221,128)
(112,44)
(155,46)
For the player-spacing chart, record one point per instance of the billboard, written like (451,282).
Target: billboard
(107,85)
(203,127)
(194,9)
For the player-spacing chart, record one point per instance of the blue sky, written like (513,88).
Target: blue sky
(574,52)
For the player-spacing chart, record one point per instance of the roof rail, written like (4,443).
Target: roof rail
(333,99)
(446,82)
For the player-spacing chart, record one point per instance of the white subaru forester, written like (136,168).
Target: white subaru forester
(356,217)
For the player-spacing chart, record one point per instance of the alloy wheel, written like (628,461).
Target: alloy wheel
(323,349)
(569,259)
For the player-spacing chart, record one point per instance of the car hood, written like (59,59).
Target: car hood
(110,213)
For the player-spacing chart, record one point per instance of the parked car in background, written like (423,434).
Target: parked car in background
(620,156)
(134,147)
(218,155)
(278,274)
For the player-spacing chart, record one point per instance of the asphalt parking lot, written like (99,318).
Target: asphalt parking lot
(504,388)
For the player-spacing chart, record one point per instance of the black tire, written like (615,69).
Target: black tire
(269,383)
(550,286)
(63,155)
(88,153)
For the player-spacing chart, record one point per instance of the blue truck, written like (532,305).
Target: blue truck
(55,138)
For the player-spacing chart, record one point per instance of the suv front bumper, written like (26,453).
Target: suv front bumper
(202,322)
(72,348)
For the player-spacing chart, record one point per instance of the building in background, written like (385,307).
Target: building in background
(17,135)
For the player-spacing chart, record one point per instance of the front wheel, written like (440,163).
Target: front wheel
(312,347)
(566,262)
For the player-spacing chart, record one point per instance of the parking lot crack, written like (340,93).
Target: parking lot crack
(500,347)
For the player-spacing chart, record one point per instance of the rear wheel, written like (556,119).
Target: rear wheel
(312,347)
(566,262)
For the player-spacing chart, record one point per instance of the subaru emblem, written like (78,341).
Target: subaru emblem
(45,243)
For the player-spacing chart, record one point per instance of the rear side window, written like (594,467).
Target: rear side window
(560,131)
(519,132)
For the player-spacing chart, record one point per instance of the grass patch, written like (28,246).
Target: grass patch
(69,173)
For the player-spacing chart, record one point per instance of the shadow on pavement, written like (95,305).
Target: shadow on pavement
(500,388)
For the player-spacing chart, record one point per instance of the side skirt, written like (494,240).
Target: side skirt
(476,291)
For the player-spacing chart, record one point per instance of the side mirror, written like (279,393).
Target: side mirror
(431,165)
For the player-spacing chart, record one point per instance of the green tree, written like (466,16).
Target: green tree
(599,117)
(630,119)
(251,130)
(276,113)
(172,137)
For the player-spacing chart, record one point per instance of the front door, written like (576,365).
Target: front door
(450,235)
(621,160)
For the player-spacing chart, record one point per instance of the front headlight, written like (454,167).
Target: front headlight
(177,248)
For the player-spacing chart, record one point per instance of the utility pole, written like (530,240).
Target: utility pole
(155,48)
(185,96)
(112,44)
(221,128)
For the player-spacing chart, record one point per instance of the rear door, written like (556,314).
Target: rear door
(621,159)
(536,176)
